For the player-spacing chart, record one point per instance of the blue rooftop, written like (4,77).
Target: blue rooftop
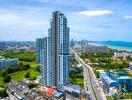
(124,77)
(106,77)
(58,94)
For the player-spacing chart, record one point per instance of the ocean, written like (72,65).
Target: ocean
(120,45)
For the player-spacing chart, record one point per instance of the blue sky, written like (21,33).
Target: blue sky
(87,19)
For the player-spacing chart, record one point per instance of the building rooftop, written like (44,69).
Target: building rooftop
(130,63)
(124,77)
(106,77)
(58,94)
(73,88)
(51,90)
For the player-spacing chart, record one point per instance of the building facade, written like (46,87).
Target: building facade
(57,60)
(43,63)
(8,62)
(39,47)
(58,51)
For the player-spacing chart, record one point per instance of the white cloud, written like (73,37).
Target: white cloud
(44,1)
(19,21)
(9,18)
(127,17)
(92,13)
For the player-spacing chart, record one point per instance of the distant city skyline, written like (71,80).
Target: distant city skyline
(97,20)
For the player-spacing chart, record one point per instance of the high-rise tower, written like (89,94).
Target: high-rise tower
(58,48)
(57,60)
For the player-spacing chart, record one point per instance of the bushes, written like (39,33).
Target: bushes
(13,69)
(97,55)
(97,73)
(3,93)
(27,75)
(7,78)
(32,85)
(76,77)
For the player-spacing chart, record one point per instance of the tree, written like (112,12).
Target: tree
(27,75)
(3,93)
(32,85)
(97,74)
(27,66)
(38,68)
(7,78)
(4,73)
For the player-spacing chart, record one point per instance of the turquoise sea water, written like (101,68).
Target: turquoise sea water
(120,45)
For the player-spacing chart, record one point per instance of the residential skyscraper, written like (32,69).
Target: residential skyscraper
(57,51)
(39,47)
(43,63)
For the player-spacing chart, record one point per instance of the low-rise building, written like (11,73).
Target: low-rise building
(73,92)
(53,94)
(123,55)
(8,62)
(21,91)
(130,65)
(118,79)
(95,49)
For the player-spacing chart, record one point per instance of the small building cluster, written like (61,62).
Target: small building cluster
(8,62)
(118,80)
(21,91)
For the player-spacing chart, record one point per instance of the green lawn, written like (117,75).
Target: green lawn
(32,64)
(20,75)
(26,57)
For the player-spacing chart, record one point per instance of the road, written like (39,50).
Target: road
(89,81)
(87,84)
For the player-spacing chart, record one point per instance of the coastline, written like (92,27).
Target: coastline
(129,49)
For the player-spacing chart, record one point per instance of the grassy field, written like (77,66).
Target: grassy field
(32,64)
(27,57)
(2,84)
(20,75)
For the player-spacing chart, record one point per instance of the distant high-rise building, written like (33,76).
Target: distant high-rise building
(3,45)
(72,44)
(39,47)
(57,52)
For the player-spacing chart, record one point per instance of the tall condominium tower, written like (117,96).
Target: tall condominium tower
(39,47)
(43,62)
(57,51)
